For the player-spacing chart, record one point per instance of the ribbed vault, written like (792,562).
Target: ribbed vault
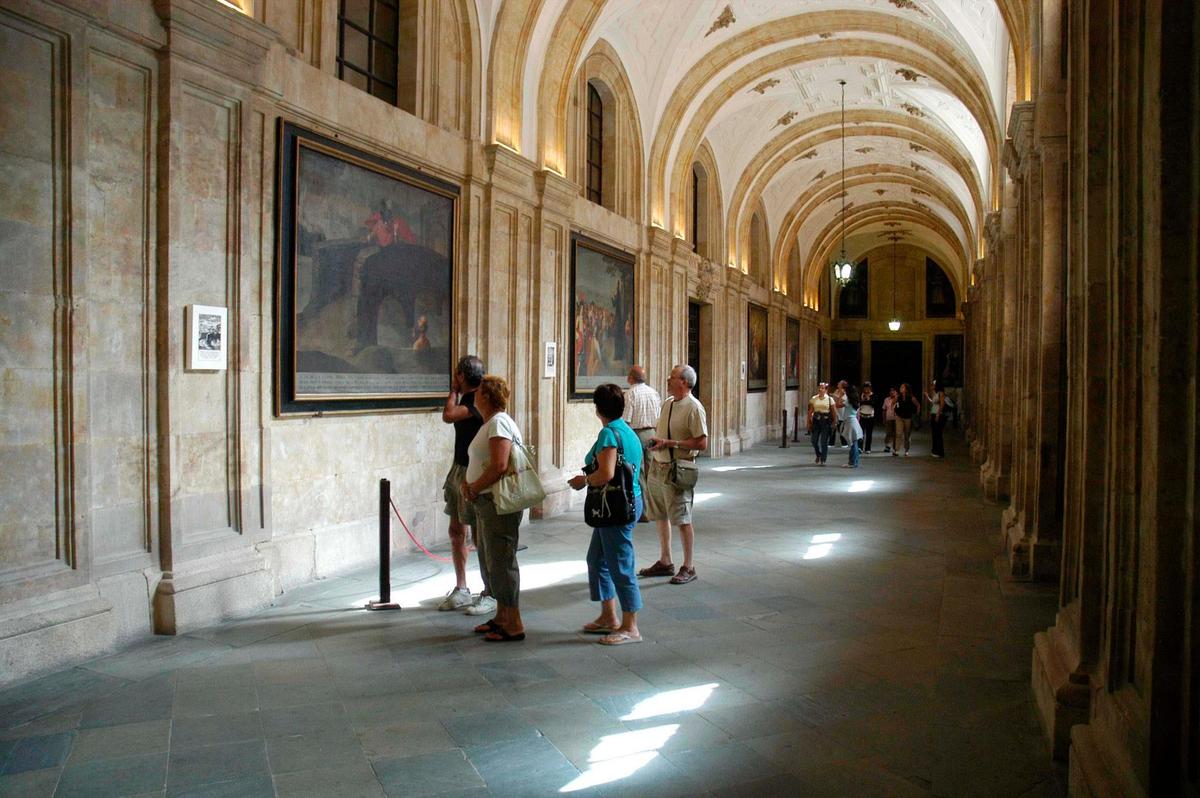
(753,86)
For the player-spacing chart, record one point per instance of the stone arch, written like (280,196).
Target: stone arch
(744,44)
(506,68)
(865,216)
(622,153)
(571,30)
(830,186)
(747,75)
(818,130)
(454,95)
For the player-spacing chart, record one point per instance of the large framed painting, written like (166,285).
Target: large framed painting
(756,343)
(948,360)
(792,352)
(364,279)
(602,302)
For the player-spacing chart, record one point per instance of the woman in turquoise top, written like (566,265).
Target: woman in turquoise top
(611,572)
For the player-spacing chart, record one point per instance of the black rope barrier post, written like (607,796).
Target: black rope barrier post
(796,425)
(784,443)
(385,550)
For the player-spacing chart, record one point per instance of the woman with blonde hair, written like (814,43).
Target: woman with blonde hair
(496,534)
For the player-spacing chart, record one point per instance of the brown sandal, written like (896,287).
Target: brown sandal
(659,568)
(684,576)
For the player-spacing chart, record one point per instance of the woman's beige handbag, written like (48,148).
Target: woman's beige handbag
(520,487)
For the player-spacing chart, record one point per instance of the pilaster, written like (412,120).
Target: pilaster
(211,473)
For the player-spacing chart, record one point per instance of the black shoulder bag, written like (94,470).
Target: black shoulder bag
(611,504)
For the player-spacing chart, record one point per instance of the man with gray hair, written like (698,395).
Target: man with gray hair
(460,411)
(641,414)
(681,434)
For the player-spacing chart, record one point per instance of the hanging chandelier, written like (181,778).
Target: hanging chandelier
(894,324)
(843,269)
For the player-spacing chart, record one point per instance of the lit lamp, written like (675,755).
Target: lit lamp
(843,269)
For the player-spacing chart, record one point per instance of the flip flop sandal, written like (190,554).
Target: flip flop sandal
(487,627)
(596,629)
(498,635)
(619,639)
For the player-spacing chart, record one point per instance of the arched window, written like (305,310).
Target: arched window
(695,208)
(940,301)
(595,146)
(853,298)
(760,251)
(377,49)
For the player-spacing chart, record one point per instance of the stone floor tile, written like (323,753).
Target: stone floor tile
(38,752)
(487,727)
(157,656)
(198,732)
(355,781)
(55,693)
(524,766)
(428,774)
(314,750)
(129,775)
(725,765)
(304,719)
(404,739)
(193,767)
(30,784)
(248,787)
(131,739)
(197,700)
(148,700)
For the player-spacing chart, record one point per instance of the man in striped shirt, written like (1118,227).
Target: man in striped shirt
(642,404)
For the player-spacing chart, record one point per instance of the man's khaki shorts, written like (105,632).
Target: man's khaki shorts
(456,505)
(664,501)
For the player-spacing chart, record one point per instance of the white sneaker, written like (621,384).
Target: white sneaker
(456,599)
(483,605)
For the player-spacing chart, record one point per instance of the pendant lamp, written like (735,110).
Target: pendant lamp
(843,269)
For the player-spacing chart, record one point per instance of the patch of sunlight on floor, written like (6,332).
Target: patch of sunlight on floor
(821,545)
(533,576)
(669,702)
(618,756)
(696,499)
(860,486)
(740,468)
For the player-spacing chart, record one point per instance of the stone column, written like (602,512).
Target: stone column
(210,477)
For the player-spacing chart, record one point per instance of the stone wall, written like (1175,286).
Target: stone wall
(139,160)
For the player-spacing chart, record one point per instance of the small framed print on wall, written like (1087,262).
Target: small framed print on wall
(207,338)
(550,365)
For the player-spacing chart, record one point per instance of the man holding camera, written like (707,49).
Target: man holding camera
(681,434)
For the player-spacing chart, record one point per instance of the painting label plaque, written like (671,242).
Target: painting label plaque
(207,338)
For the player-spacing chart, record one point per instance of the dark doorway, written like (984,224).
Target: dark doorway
(693,343)
(846,362)
(894,362)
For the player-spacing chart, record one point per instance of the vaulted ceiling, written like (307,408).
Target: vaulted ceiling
(758,81)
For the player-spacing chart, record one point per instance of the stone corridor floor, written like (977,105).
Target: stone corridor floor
(847,635)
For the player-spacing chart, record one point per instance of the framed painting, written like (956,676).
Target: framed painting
(364,279)
(756,343)
(792,353)
(602,302)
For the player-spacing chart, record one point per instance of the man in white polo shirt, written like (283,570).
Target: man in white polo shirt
(641,414)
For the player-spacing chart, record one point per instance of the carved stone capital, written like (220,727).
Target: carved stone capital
(556,193)
(510,171)
(215,37)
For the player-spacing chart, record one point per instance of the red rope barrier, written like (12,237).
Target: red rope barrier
(413,537)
